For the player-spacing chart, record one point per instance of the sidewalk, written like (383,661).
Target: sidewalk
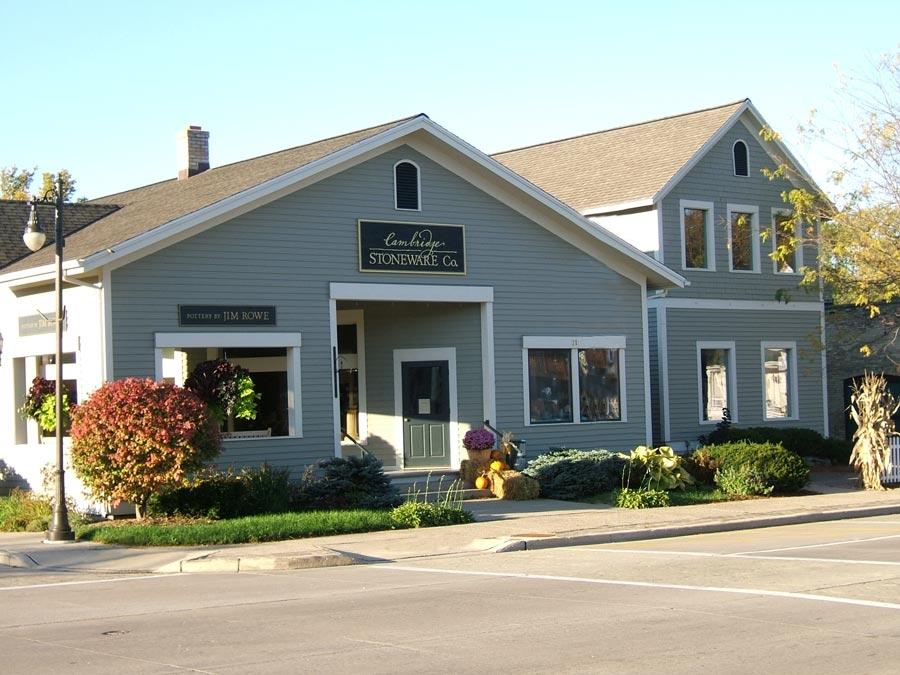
(501,526)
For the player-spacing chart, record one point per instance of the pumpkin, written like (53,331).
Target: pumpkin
(497,465)
(482,483)
(496,454)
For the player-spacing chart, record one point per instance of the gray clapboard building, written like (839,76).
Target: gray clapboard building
(391,287)
(688,190)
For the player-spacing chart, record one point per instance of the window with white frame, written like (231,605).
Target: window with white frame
(716,380)
(698,240)
(785,243)
(574,379)
(273,362)
(743,238)
(407,187)
(741,156)
(779,370)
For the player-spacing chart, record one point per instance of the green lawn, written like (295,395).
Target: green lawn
(274,527)
(698,494)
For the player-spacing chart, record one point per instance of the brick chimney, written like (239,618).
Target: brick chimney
(193,152)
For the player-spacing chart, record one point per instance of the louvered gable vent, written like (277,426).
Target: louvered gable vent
(406,186)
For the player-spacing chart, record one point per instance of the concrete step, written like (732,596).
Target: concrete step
(425,480)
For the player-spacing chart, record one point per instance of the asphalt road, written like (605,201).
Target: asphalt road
(818,598)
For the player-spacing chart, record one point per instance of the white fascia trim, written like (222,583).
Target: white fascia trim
(798,251)
(731,375)
(754,235)
(607,209)
(224,207)
(42,273)
(738,305)
(411,292)
(583,342)
(107,318)
(709,208)
(692,162)
(188,340)
(660,251)
(418,184)
(804,174)
(793,390)
(641,259)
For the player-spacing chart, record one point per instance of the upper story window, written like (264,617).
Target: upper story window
(698,249)
(743,237)
(406,186)
(741,159)
(786,244)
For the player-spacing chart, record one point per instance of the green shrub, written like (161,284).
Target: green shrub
(742,481)
(805,442)
(215,494)
(576,474)
(346,483)
(641,498)
(424,514)
(784,470)
(24,511)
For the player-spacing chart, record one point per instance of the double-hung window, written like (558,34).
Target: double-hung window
(743,237)
(779,371)
(716,381)
(785,243)
(574,380)
(697,236)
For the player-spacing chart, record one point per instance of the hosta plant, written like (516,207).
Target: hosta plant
(134,437)
(659,468)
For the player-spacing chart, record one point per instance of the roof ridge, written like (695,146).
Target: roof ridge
(396,122)
(622,126)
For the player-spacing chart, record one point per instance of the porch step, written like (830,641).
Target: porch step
(424,480)
(467,494)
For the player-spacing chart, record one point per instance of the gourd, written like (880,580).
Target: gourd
(481,483)
(497,465)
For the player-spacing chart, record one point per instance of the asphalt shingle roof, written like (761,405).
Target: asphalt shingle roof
(617,165)
(145,208)
(14,215)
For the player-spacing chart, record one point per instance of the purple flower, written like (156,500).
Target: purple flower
(478,439)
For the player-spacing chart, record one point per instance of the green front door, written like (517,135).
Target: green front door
(426,413)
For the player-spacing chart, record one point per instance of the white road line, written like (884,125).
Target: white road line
(830,543)
(647,584)
(704,554)
(88,581)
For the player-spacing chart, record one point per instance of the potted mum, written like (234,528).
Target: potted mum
(478,443)
(40,405)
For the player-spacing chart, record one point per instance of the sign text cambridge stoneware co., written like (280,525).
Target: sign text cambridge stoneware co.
(226,315)
(411,247)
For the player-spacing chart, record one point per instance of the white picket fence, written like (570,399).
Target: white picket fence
(893,476)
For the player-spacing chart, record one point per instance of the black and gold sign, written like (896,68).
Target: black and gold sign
(412,248)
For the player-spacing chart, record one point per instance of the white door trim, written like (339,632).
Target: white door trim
(428,354)
(355,317)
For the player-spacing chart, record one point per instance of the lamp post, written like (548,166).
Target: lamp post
(34,238)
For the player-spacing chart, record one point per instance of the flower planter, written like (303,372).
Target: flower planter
(480,456)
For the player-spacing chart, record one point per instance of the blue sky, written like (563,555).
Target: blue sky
(102,88)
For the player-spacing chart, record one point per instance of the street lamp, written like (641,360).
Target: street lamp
(34,238)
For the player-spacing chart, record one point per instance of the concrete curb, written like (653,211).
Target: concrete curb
(611,537)
(210,563)
(19,560)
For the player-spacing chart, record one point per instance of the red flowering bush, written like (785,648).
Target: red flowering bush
(133,437)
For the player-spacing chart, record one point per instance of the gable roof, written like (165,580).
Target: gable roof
(144,208)
(161,214)
(621,165)
(14,216)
